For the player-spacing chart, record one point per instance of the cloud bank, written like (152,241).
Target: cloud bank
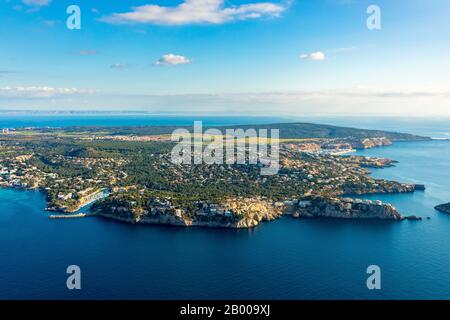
(40,92)
(350,101)
(36,3)
(195,12)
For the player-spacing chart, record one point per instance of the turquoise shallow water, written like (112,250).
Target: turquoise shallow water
(285,259)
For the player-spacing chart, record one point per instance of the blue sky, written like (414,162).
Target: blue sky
(226,57)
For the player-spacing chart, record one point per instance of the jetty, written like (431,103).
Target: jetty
(71,216)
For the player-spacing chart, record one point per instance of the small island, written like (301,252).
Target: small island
(126,174)
(444,208)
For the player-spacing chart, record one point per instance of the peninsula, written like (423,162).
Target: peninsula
(128,175)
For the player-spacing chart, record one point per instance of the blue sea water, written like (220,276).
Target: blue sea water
(97,119)
(284,259)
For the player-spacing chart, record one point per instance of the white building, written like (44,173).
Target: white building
(304,204)
(65,196)
(178,212)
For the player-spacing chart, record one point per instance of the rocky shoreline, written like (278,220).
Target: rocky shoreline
(348,208)
(247,213)
(177,222)
(310,208)
(230,213)
(243,213)
(391,187)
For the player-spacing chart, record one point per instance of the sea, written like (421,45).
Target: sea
(284,259)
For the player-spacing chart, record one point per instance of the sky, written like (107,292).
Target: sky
(269,57)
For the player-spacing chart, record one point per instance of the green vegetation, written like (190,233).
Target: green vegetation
(287,131)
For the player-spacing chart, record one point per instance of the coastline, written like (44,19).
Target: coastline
(63,200)
(341,212)
(316,208)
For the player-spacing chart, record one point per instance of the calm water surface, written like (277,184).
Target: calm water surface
(285,259)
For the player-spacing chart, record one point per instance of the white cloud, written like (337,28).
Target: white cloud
(315,56)
(36,3)
(87,52)
(343,50)
(118,66)
(344,101)
(49,23)
(172,60)
(40,92)
(194,12)
(7,71)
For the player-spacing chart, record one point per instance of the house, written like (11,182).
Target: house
(304,204)
(64,196)
(178,212)
(348,206)
(278,204)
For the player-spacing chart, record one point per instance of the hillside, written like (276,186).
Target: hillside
(310,130)
(287,131)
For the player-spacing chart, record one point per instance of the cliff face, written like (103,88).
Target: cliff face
(347,208)
(251,212)
(164,220)
(241,213)
(231,213)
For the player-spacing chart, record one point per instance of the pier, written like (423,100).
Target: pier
(71,216)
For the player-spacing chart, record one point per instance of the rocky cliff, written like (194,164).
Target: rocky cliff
(231,213)
(251,212)
(347,208)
